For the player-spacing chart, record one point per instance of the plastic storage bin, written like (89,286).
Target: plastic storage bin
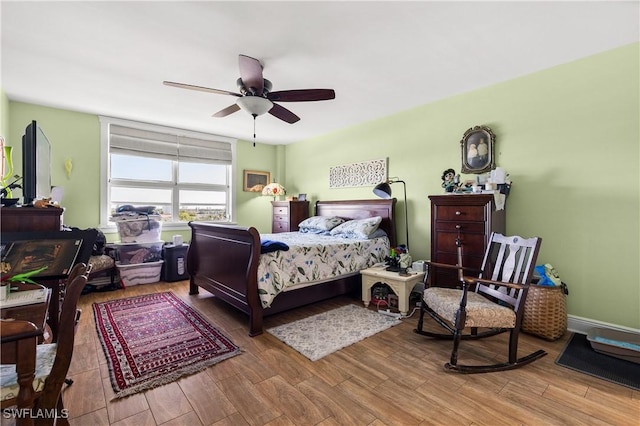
(175,262)
(139,229)
(130,253)
(140,273)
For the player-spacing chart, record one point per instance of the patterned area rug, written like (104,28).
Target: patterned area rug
(322,334)
(155,339)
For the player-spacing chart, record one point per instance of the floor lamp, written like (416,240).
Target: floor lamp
(383,190)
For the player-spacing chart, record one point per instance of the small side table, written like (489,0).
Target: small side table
(400,285)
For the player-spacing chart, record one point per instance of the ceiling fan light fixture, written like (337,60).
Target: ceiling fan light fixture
(255,105)
(255,95)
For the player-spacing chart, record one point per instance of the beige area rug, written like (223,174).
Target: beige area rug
(320,335)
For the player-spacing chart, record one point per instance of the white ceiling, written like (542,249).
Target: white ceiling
(110,58)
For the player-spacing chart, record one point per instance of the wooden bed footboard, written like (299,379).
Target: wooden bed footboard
(223,259)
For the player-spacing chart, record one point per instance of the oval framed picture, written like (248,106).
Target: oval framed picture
(477,148)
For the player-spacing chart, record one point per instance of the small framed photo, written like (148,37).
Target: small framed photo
(255,181)
(477,148)
(302,197)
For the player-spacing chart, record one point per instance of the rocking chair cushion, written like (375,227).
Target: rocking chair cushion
(481,312)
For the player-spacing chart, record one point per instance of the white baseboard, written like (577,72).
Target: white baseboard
(583,325)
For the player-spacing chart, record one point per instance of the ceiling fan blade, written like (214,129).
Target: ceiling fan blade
(227,111)
(283,114)
(200,88)
(251,74)
(303,95)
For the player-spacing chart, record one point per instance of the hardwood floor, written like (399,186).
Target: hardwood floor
(393,378)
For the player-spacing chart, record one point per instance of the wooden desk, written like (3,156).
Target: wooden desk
(35,313)
(18,345)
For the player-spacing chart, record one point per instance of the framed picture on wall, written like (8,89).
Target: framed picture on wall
(302,197)
(477,147)
(255,181)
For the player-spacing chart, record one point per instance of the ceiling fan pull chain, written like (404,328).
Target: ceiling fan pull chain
(254,129)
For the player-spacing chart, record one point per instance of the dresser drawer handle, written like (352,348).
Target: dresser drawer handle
(458,213)
(458,226)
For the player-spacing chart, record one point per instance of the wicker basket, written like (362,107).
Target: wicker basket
(545,311)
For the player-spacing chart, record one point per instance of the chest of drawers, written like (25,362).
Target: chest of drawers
(30,219)
(472,218)
(288,214)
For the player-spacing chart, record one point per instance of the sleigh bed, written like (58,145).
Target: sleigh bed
(224,260)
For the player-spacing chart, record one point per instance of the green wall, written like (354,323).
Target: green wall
(252,208)
(568,136)
(74,136)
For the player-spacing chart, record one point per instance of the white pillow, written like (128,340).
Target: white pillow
(320,223)
(357,228)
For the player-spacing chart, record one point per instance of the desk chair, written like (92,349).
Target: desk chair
(52,360)
(492,301)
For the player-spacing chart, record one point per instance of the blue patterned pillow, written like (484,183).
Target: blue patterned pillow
(357,228)
(319,223)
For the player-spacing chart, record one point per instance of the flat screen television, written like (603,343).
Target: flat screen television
(36,164)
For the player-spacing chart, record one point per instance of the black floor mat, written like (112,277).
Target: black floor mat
(578,355)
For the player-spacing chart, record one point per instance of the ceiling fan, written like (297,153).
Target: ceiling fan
(256,96)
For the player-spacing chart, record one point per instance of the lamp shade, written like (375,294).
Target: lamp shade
(383,190)
(255,105)
(273,189)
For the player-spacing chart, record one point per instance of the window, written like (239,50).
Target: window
(185,175)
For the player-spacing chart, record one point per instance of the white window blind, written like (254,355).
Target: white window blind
(146,143)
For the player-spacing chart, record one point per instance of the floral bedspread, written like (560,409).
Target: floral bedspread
(313,257)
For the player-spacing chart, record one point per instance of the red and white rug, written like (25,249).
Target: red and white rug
(155,339)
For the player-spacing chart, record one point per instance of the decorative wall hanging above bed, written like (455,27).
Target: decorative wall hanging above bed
(366,173)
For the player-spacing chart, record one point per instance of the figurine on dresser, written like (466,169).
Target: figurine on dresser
(450,180)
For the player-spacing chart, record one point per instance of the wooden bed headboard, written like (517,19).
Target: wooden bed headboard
(360,209)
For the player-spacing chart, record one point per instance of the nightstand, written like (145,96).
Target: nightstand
(288,214)
(400,285)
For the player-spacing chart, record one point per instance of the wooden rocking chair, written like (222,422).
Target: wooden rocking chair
(492,301)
